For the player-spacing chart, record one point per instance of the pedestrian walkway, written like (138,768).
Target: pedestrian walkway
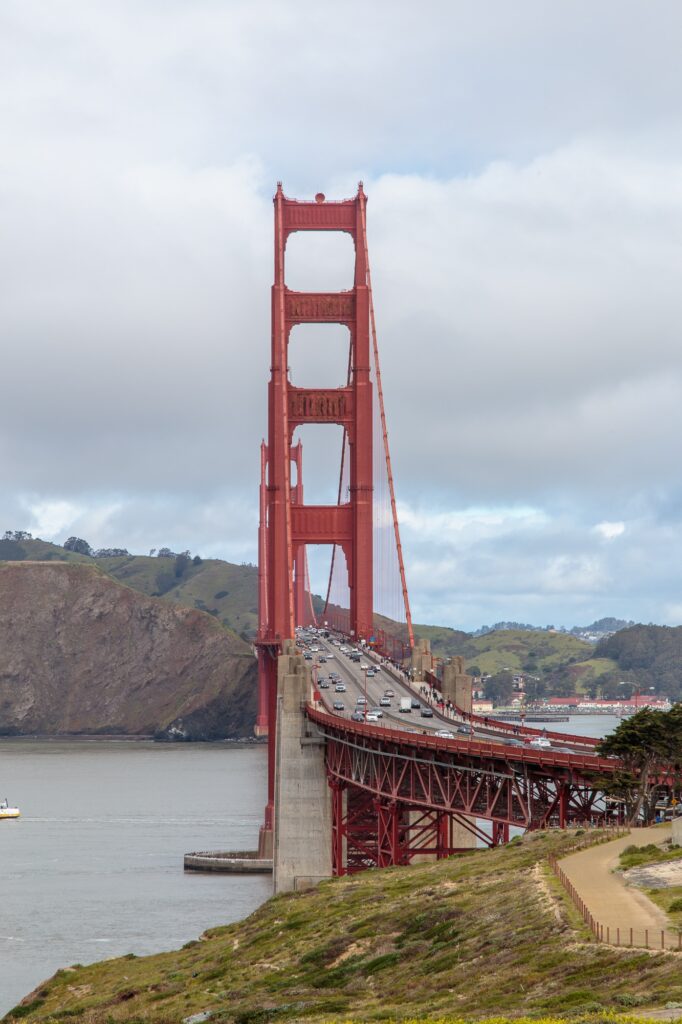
(624,915)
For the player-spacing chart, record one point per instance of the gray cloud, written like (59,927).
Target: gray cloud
(525,218)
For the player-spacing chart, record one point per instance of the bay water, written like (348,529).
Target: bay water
(94,867)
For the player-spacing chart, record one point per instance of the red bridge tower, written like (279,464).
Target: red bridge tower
(286,523)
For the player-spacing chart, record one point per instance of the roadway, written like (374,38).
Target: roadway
(357,685)
(353,677)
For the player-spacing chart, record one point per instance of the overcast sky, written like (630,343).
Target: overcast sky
(523,163)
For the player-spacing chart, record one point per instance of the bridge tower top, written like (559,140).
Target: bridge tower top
(289,524)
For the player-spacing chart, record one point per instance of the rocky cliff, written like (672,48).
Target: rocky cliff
(81,653)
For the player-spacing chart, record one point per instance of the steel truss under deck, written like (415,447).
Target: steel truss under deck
(395,796)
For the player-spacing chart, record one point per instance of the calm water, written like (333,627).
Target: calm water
(595,726)
(93,868)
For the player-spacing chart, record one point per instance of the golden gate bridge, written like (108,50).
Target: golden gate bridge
(342,794)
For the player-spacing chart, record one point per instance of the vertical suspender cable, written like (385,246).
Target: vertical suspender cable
(380,392)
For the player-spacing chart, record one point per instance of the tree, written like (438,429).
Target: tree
(535,688)
(197,561)
(649,745)
(78,545)
(10,551)
(181,563)
(474,670)
(499,688)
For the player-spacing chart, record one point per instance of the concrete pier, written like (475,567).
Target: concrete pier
(302,853)
(237,862)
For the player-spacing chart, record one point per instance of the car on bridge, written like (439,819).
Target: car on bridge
(370,717)
(323,684)
(444,734)
(376,711)
(361,700)
(426,713)
(338,705)
(540,741)
(389,693)
(340,688)
(464,728)
(414,704)
(385,702)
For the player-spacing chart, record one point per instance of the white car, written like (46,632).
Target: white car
(330,654)
(385,702)
(369,717)
(444,734)
(541,742)
(361,700)
(363,667)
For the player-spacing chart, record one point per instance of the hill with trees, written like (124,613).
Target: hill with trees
(82,654)
(650,657)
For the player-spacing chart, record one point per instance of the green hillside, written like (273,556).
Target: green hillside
(487,935)
(649,656)
(226,591)
(519,650)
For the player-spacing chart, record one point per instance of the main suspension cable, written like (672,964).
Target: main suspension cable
(384,430)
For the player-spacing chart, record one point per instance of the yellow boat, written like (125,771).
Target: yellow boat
(8,812)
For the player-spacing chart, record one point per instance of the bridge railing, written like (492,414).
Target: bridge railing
(513,729)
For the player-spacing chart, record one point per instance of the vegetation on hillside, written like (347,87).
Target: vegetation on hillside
(651,656)
(638,856)
(227,592)
(473,937)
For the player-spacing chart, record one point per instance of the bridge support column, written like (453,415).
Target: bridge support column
(302,853)
(456,685)
(422,660)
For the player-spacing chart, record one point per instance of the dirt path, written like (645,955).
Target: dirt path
(614,905)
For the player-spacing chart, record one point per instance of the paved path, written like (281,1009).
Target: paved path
(612,903)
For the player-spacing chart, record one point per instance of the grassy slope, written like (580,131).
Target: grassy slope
(237,584)
(486,934)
